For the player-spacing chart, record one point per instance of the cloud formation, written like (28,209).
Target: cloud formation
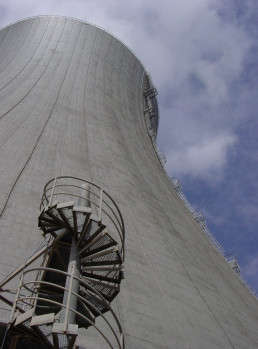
(204,159)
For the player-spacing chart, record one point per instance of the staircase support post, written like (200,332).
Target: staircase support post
(72,284)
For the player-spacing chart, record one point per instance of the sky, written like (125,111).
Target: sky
(202,56)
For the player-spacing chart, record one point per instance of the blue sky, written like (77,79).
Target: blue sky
(202,55)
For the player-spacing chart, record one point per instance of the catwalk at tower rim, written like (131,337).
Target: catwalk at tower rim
(97,249)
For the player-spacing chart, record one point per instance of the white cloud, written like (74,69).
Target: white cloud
(203,159)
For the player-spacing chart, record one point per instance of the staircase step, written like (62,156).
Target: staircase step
(92,255)
(100,248)
(102,284)
(47,220)
(80,216)
(65,219)
(104,262)
(93,240)
(42,319)
(48,230)
(93,310)
(86,228)
(46,224)
(24,317)
(108,291)
(101,277)
(94,303)
(93,268)
(55,216)
(86,311)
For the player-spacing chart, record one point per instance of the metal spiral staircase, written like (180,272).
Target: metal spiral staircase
(71,281)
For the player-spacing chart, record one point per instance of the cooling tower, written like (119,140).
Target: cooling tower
(97,248)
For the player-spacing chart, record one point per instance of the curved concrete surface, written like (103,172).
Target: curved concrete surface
(71,103)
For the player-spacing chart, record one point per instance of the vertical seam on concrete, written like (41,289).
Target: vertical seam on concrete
(18,48)
(66,121)
(84,105)
(17,178)
(28,60)
(4,39)
(36,81)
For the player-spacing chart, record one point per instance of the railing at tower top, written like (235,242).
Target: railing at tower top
(151,116)
(151,109)
(177,185)
(104,208)
(200,219)
(230,258)
(232,261)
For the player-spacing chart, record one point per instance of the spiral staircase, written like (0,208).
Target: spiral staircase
(77,273)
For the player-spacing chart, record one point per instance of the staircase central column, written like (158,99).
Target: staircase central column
(73,268)
(74,265)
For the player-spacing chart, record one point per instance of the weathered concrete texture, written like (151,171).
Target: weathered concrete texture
(71,98)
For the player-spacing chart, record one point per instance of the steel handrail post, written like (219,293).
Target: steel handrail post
(69,298)
(16,297)
(53,189)
(100,203)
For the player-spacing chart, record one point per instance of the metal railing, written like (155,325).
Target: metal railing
(200,219)
(65,188)
(162,157)
(34,299)
(177,185)
(231,259)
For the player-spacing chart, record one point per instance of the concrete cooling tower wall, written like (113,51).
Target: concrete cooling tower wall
(118,261)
